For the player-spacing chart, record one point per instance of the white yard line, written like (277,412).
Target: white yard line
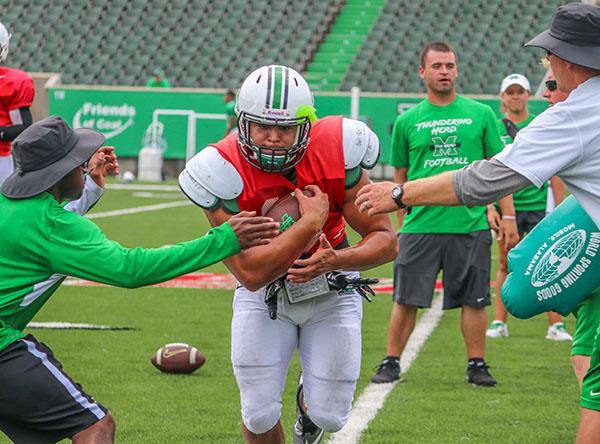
(373,397)
(141,187)
(75,326)
(133,210)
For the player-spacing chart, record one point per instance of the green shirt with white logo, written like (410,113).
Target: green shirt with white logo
(43,243)
(430,140)
(531,198)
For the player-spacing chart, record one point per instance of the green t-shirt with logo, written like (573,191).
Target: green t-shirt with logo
(531,198)
(429,140)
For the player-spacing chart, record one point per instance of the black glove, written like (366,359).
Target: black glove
(271,292)
(339,281)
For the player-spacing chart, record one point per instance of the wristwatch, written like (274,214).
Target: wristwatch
(397,193)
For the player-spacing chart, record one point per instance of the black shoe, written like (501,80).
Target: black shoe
(305,431)
(478,374)
(388,371)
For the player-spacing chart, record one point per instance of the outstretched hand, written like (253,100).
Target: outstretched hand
(376,198)
(252,230)
(103,162)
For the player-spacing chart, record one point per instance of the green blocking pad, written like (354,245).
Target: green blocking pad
(556,266)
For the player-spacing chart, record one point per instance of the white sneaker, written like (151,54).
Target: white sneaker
(498,329)
(558,332)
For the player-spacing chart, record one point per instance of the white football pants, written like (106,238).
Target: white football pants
(326,330)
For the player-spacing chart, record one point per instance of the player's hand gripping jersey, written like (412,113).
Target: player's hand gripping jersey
(556,266)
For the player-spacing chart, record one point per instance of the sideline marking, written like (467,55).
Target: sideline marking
(151,195)
(75,326)
(133,210)
(373,397)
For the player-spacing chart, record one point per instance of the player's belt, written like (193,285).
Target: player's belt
(318,286)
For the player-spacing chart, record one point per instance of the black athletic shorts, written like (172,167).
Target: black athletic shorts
(526,220)
(39,403)
(465,259)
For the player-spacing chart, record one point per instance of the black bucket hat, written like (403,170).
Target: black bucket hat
(574,35)
(45,153)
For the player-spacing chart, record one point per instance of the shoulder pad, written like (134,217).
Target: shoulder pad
(361,145)
(208,177)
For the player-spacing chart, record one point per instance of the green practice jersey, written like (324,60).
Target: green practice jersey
(531,198)
(43,243)
(429,140)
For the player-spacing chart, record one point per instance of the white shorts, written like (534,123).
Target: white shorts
(326,330)
(6,167)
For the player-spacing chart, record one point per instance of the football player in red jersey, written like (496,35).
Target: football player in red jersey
(281,147)
(16,96)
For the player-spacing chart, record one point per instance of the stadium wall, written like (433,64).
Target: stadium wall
(190,119)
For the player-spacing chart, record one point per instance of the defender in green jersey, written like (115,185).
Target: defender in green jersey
(38,401)
(530,203)
(444,132)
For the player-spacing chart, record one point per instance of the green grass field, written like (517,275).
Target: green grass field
(536,400)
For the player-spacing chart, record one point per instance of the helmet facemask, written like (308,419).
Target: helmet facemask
(273,159)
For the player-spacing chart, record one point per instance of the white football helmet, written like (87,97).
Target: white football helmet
(4,41)
(274,95)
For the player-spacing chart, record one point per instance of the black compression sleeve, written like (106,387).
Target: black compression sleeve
(10,132)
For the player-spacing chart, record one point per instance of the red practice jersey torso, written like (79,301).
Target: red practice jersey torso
(16,91)
(322,165)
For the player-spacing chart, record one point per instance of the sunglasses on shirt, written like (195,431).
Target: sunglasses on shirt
(551,85)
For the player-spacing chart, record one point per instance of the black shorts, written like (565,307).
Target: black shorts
(526,220)
(465,259)
(39,403)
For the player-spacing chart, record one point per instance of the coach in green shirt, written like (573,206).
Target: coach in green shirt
(444,132)
(43,242)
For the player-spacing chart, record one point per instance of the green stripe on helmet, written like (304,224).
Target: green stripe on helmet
(277,88)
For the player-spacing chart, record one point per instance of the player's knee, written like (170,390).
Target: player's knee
(329,421)
(100,431)
(262,418)
(109,425)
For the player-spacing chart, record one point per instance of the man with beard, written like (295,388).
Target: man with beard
(444,132)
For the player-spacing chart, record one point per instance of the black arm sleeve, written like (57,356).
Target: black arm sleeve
(10,132)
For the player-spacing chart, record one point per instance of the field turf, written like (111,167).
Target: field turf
(536,400)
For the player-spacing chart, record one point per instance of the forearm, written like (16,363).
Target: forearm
(376,248)
(435,190)
(256,267)
(507,207)
(486,181)
(92,256)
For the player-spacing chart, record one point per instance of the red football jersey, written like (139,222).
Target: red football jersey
(322,165)
(16,91)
